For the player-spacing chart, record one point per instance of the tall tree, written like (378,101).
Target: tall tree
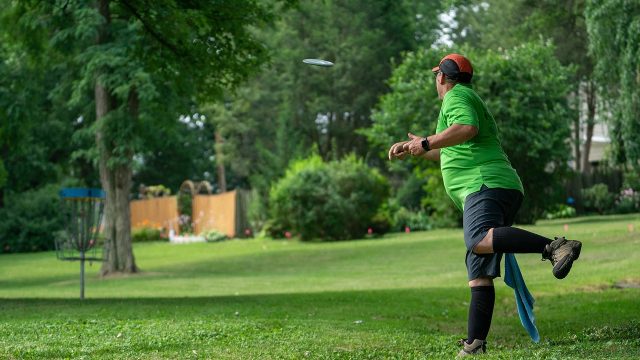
(145,59)
(614,41)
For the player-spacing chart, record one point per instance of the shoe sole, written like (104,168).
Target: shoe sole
(564,265)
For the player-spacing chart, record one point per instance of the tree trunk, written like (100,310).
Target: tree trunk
(222,178)
(591,113)
(576,130)
(115,180)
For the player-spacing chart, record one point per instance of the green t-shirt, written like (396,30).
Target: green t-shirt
(481,160)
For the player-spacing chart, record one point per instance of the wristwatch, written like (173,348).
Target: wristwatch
(425,144)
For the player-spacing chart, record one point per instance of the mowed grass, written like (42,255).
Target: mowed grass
(403,296)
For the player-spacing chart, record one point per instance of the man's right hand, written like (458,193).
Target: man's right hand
(397,151)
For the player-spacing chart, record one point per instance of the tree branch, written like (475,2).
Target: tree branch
(156,35)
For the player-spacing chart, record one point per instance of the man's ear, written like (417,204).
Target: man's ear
(442,79)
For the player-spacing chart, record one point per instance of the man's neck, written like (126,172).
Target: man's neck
(447,87)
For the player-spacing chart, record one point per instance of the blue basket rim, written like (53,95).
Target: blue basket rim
(74,193)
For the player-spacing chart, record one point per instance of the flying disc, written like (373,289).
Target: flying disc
(317,62)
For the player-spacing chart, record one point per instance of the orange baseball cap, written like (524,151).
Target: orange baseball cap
(455,66)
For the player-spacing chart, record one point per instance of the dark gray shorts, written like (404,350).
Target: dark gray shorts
(483,210)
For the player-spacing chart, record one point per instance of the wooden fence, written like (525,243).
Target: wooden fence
(226,213)
(161,212)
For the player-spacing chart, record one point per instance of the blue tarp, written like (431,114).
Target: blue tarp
(524,299)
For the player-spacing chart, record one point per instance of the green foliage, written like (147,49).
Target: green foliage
(328,201)
(525,89)
(214,236)
(560,211)
(410,192)
(34,131)
(175,150)
(631,180)
(598,198)
(614,30)
(257,212)
(29,220)
(505,24)
(145,234)
(381,223)
(414,220)
(3,174)
(627,202)
(442,212)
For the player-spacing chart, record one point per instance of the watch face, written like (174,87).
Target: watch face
(425,144)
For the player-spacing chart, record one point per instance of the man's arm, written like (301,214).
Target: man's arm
(453,135)
(432,155)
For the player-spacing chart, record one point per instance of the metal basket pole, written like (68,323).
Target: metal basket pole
(81,275)
(85,208)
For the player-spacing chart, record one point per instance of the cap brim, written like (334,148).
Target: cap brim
(437,68)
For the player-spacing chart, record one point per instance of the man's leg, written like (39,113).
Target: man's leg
(481,212)
(560,251)
(483,297)
(511,240)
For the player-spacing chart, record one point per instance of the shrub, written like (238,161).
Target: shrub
(560,211)
(214,236)
(414,220)
(30,220)
(330,201)
(598,198)
(627,202)
(144,234)
(274,229)
(381,222)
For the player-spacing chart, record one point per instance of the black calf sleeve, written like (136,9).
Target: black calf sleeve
(480,312)
(514,240)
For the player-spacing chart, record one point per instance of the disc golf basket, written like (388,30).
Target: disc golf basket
(84,209)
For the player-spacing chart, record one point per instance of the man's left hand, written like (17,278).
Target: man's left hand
(414,146)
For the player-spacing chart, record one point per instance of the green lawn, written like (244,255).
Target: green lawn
(403,296)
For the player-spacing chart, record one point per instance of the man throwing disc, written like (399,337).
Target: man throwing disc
(480,180)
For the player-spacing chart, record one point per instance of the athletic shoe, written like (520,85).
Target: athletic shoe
(476,347)
(562,253)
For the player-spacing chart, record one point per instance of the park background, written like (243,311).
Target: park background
(130,95)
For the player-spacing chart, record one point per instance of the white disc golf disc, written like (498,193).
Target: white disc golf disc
(317,62)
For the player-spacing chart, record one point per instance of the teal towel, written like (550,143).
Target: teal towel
(524,299)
